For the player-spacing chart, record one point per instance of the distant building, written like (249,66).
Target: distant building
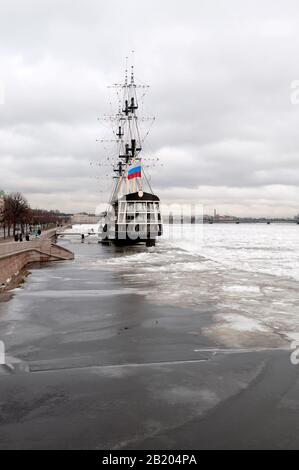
(84,218)
(219,218)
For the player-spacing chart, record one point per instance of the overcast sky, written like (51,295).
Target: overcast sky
(220,74)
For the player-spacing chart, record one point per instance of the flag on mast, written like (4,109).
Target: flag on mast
(134,172)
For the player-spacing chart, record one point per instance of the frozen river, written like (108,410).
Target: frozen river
(182,345)
(249,272)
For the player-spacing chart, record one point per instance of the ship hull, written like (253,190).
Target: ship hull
(110,236)
(138,241)
(133,219)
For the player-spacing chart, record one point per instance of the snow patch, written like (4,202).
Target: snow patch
(242,289)
(242,323)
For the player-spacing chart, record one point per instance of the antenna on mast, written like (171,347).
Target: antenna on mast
(126,72)
(132,67)
(125,127)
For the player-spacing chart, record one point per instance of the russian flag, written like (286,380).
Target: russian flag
(134,172)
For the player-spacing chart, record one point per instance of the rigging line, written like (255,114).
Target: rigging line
(135,96)
(117,187)
(111,121)
(150,148)
(138,133)
(136,121)
(147,133)
(137,129)
(130,130)
(144,174)
(109,200)
(112,126)
(143,95)
(114,186)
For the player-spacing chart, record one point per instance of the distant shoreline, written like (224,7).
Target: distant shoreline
(235,221)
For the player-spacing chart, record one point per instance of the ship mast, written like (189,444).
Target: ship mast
(128,137)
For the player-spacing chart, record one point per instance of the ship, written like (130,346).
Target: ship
(133,215)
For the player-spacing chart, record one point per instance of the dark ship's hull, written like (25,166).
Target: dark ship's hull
(134,218)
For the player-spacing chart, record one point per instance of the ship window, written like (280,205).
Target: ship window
(122,228)
(150,207)
(142,228)
(140,217)
(130,207)
(151,217)
(157,209)
(141,206)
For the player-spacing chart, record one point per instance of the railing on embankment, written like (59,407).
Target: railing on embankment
(15,255)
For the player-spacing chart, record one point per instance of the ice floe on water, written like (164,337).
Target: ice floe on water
(270,249)
(257,248)
(242,289)
(242,323)
(247,275)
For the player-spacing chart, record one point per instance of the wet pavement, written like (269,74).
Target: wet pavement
(97,363)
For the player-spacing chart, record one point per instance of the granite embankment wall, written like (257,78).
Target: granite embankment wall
(14,256)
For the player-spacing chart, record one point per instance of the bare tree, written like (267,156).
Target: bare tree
(47,218)
(2,213)
(16,211)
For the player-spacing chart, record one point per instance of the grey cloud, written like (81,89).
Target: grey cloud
(220,76)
